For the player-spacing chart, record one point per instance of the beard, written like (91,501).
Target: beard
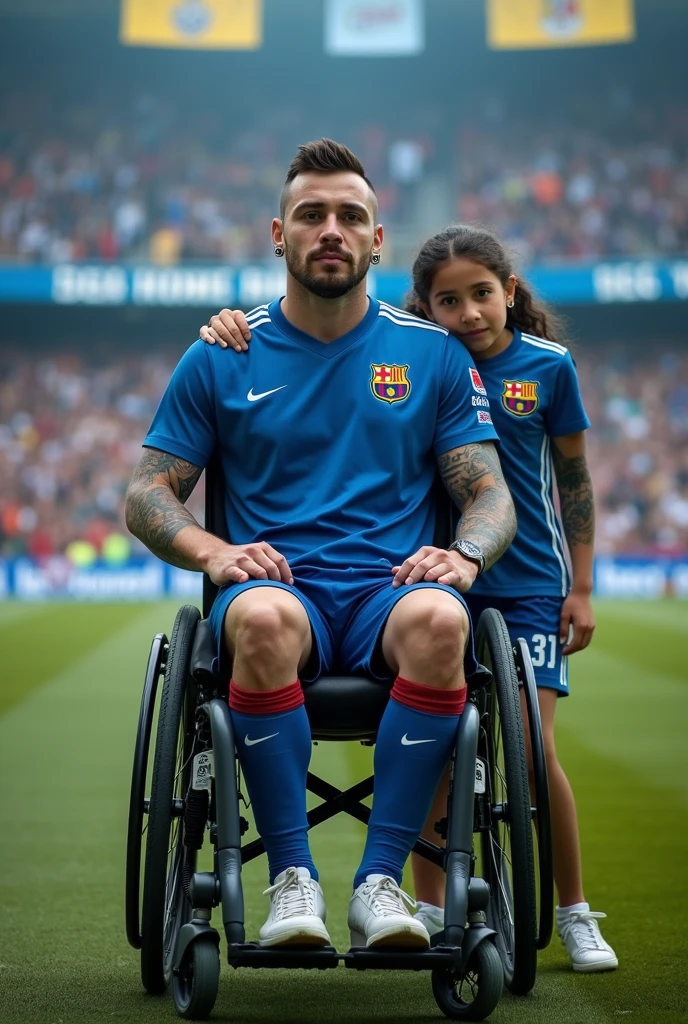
(326,282)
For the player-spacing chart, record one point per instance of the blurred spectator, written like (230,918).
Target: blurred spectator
(71,431)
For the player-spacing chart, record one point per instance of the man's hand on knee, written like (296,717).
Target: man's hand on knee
(436,565)
(238,563)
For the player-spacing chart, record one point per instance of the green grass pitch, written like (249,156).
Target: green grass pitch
(70,686)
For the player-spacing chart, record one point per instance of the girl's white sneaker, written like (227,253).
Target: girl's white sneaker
(579,931)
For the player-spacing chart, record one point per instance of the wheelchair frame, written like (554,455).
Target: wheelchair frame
(467,897)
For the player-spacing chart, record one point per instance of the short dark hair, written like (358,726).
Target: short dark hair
(326,156)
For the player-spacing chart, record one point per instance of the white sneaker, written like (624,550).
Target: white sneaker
(430,916)
(379,916)
(579,931)
(297,911)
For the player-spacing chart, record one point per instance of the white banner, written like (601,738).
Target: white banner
(374,28)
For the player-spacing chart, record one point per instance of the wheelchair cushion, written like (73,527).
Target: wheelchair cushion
(345,707)
(350,707)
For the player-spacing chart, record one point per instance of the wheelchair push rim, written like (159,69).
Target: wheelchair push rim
(181,862)
(168,862)
(138,807)
(542,814)
(507,843)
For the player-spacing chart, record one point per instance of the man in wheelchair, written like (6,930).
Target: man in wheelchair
(330,431)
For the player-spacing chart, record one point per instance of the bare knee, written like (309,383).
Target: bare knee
(446,629)
(429,641)
(267,632)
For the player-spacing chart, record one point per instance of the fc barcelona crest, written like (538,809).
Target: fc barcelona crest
(520,397)
(389,382)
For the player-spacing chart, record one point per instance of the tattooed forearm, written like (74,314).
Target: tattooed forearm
(155,511)
(473,476)
(156,516)
(575,495)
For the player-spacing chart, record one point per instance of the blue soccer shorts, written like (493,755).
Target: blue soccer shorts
(536,619)
(347,610)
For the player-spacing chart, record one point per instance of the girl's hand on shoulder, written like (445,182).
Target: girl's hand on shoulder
(229,329)
(576,611)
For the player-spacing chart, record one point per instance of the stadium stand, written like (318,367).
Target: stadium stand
(581,192)
(137,179)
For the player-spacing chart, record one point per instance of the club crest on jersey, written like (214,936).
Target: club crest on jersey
(520,397)
(389,381)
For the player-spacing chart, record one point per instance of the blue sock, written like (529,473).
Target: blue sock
(407,774)
(275,770)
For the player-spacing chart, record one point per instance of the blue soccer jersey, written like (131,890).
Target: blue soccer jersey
(329,451)
(532,387)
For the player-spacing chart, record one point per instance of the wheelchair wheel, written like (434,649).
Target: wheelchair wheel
(507,841)
(543,827)
(137,797)
(168,862)
(474,995)
(195,987)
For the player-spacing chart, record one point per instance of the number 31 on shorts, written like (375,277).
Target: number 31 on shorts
(544,646)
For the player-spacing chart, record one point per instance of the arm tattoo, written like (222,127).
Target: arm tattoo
(155,502)
(473,476)
(575,495)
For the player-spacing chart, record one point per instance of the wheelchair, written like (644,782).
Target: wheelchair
(495,921)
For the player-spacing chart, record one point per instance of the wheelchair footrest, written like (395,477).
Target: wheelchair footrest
(362,959)
(252,954)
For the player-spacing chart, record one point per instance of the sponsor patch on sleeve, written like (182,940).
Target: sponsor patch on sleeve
(476,381)
(484,416)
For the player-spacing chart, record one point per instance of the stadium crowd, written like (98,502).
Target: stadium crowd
(578,192)
(140,180)
(71,430)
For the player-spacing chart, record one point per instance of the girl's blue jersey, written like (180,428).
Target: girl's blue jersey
(534,396)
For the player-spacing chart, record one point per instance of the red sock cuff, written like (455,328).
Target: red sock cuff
(265,702)
(433,700)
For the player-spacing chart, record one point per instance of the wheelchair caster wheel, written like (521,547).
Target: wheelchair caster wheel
(194,988)
(474,995)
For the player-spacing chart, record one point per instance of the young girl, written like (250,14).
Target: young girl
(463,281)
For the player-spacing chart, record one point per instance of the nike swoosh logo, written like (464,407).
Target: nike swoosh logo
(406,742)
(264,394)
(261,739)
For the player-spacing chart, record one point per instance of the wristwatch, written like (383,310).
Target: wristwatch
(470,551)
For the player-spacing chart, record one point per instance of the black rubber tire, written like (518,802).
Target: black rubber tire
(170,778)
(512,908)
(483,982)
(195,988)
(137,793)
(543,823)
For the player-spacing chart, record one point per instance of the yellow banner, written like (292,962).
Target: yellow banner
(193,24)
(541,24)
